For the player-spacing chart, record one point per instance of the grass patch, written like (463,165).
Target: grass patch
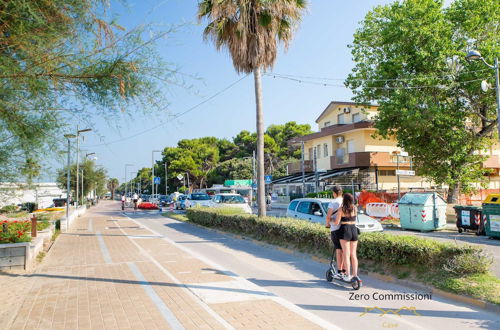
(176,216)
(40,256)
(57,232)
(458,269)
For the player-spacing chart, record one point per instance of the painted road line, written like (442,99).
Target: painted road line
(280,300)
(195,298)
(104,249)
(165,312)
(299,311)
(90,227)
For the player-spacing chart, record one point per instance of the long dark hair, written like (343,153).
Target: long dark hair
(347,204)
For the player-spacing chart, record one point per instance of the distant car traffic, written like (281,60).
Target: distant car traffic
(198,199)
(231,200)
(180,202)
(164,200)
(315,209)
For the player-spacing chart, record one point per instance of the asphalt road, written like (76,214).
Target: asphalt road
(300,280)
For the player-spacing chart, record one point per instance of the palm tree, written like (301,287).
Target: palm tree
(112,185)
(251,31)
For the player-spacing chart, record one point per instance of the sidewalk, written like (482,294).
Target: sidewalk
(108,272)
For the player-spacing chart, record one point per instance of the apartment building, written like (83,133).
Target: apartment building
(346,151)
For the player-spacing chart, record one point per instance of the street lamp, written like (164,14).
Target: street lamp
(153,172)
(126,165)
(68,136)
(78,132)
(86,157)
(474,55)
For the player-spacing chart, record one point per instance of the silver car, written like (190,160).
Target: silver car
(315,209)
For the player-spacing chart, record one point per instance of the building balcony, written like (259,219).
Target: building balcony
(366,159)
(492,162)
(296,167)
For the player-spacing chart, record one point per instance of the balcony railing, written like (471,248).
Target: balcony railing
(296,167)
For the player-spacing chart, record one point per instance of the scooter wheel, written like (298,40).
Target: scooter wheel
(460,230)
(356,285)
(329,275)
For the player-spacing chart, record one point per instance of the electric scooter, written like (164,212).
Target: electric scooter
(355,282)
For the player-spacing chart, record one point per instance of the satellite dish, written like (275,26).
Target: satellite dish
(485,86)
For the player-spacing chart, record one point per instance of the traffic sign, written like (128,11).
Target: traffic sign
(268,179)
(157,180)
(405,172)
(180,177)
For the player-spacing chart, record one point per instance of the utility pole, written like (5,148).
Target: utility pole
(153,172)
(303,171)
(399,188)
(68,136)
(316,184)
(188,184)
(166,182)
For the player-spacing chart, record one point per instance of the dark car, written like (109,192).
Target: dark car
(60,202)
(164,200)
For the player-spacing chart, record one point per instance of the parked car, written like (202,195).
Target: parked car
(164,200)
(145,198)
(231,200)
(198,199)
(315,209)
(179,203)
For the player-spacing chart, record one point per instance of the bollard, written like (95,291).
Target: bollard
(4,228)
(33,226)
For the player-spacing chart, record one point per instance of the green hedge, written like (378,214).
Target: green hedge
(379,247)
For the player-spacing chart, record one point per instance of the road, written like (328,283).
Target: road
(299,281)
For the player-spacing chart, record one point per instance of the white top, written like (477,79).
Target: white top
(135,196)
(335,205)
(123,198)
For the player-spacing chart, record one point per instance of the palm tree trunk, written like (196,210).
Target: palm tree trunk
(261,188)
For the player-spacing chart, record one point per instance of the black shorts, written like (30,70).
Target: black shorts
(348,233)
(335,239)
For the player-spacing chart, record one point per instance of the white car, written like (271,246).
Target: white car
(231,200)
(198,199)
(315,209)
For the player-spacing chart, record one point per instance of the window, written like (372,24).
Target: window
(341,119)
(387,172)
(350,146)
(327,123)
(293,205)
(316,208)
(325,149)
(340,156)
(356,117)
(318,151)
(304,207)
(402,159)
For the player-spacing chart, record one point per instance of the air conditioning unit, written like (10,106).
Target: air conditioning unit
(347,110)
(339,139)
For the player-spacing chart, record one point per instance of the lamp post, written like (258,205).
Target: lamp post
(166,182)
(78,132)
(153,171)
(474,55)
(126,165)
(86,157)
(68,137)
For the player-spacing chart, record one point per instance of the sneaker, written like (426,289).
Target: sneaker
(346,278)
(337,276)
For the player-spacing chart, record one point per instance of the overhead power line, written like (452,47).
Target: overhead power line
(171,117)
(442,85)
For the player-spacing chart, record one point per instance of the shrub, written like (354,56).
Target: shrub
(17,232)
(8,209)
(379,247)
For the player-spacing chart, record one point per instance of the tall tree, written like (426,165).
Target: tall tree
(62,61)
(112,185)
(409,59)
(94,178)
(251,31)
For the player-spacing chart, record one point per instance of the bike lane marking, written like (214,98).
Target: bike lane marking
(285,303)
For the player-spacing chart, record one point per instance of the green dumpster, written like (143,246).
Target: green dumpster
(422,211)
(491,209)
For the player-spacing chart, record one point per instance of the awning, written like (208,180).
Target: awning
(310,177)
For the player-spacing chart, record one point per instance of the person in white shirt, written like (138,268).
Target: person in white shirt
(135,198)
(333,207)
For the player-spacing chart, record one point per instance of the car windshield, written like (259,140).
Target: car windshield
(200,197)
(325,205)
(232,199)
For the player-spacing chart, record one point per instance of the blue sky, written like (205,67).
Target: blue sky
(318,49)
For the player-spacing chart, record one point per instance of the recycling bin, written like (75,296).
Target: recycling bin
(469,218)
(422,211)
(491,210)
